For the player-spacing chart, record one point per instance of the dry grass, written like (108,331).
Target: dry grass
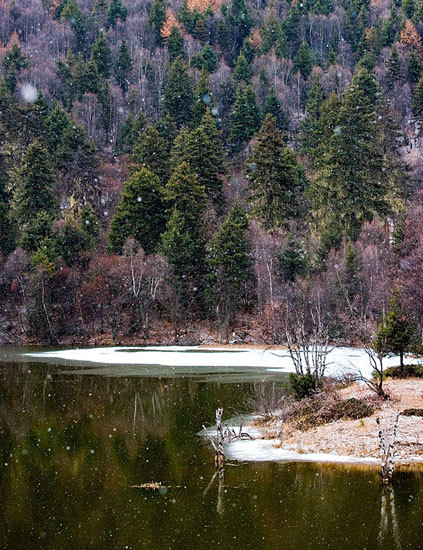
(359,437)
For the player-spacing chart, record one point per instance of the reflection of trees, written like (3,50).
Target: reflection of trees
(74,447)
(388,519)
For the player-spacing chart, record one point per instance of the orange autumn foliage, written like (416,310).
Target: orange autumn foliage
(410,38)
(203,5)
(168,25)
(255,38)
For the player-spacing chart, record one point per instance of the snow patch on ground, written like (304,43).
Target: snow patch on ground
(339,359)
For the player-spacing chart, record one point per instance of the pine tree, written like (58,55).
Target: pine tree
(304,61)
(203,98)
(184,194)
(397,332)
(116,11)
(181,250)
(157,18)
(276,178)
(139,214)
(37,230)
(175,44)
(413,68)
(311,126)
(151,152)
(242,71)
(14,61)
(101,55)
(181,242)
(167,130)
(229,263)
(291,260)
(123,67)
(245,118)
(390,28)
(417,104)
(57,122)
(209,60)
(202,149)
(273,107)
(178,96)
(352,185)
(33,192)
(394,65)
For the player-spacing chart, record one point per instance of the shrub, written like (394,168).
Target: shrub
(408,371)
(323,408)
(412,412)
(304,385)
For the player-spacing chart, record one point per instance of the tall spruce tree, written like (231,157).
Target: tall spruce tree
(33,190)
(123,67)
(101,54)
(175,44)
(311,127)
(229,265)
(116,11)
(398,331)
(352,185)
(139,214)
(276,177)
(151,152)
(202,149)
(178,96)
(245,118)
(273,107)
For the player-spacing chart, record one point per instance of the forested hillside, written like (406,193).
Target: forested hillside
(186,170)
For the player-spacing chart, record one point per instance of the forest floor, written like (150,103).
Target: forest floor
(350,440)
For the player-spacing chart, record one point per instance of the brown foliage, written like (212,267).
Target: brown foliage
(203,5)
(168,25)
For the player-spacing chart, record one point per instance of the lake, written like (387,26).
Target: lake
(75,438)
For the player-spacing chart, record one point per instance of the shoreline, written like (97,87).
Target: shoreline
(343,441)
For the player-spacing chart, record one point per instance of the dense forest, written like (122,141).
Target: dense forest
(193,170)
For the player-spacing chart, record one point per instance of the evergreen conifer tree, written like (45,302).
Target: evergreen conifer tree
(229,263)
(139,214)
(352,185)
(242,71)
(245,118)
(273,107)
(413,68)
(304,61)
(123,67)
(175,44)
(116,11)
(394,65)
(33,192)
(151,152)
(102,55)
(157,17)
(184,194)
(397,332)
(178,96)
(417,104)
(276,178)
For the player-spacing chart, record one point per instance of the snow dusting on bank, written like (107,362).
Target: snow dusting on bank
(265,450)
(273,360)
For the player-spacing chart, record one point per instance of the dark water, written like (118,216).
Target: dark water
(71,448)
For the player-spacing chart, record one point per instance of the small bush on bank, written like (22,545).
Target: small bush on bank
(324,408)
(412,412)
(409,371)
(304,385)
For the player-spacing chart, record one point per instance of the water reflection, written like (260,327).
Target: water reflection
(73,445)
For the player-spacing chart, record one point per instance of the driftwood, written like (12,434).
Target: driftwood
(155,486)
(387,454)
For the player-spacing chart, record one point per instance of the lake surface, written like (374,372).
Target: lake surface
(74,439)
